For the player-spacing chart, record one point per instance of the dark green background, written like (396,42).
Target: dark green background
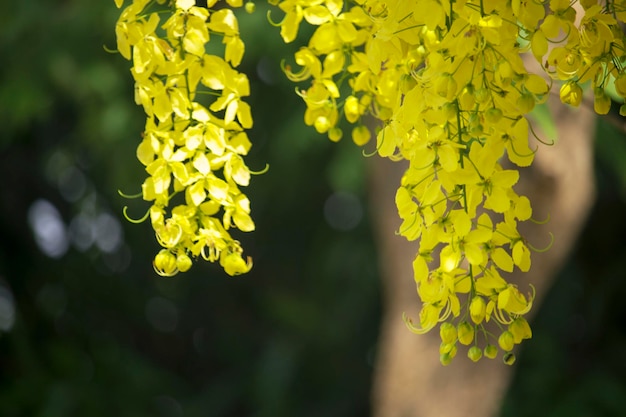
(97,333)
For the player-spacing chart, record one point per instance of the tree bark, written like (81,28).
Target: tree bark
(409,380)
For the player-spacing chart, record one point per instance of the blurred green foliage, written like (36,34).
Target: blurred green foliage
(97,333)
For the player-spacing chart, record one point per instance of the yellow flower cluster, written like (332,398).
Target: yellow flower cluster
(447,83)
(446,80)
(578,49)
(194,136)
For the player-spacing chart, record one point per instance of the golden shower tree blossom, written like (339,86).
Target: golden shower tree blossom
(445,80)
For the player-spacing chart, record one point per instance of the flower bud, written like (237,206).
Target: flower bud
(335,134)
(475,125)
(571,93)
(520,329)
(447,332)
(446,348)
(234,264)
(165,263)
(322,124)
(478,309)
(601,101)
(250,7)
(467,98)
(506,341)
(465,333)
(509,358)
(352,109)
(446,358)
(361,135)
(482,95)
(183,262)
(491,351)
(475,353)
(493,115)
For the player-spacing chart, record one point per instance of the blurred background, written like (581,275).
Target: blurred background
(88,329)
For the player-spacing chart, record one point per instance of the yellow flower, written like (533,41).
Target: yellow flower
(520,329)
(188,148)
(448,86)
(233,263)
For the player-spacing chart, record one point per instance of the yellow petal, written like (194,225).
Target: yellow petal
(196,193)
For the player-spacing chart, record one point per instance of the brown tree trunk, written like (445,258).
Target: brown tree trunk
(409,380)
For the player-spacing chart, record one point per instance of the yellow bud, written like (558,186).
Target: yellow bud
(183,262)
(475,125)
(165,263)
(571,93)
(482,95)
(620,84)
(250,7)
(234,264)
(322,124)
(493,115)
(335,134)
(465,333)
(361,135)
(601,101)
(506,341)
(351,109)
(467,98)
(520,329)
(509,358)
(478,308)
(446,348)
(447,332)
(446,358)
(622,110)
(525,103)
(475,353)
(491,351)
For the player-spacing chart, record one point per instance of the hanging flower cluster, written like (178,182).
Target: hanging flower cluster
(194,137)
(448,85)
(446,81)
